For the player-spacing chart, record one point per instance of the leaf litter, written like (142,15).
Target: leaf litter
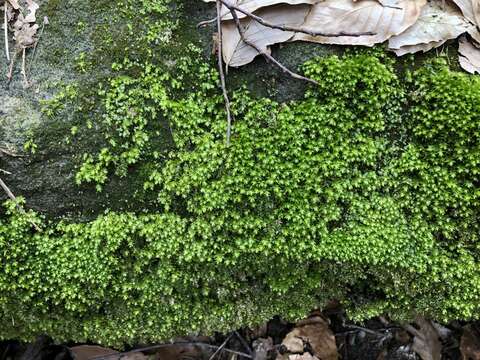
(407,26)
(21,20)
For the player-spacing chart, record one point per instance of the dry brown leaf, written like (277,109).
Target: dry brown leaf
(32,8)
(238,53)
(470,343)
(436,24)
(469,56)
(336,16)
(316,332)
(426,342)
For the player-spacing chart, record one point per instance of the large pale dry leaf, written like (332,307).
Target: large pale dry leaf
(426,342)
(438,22)
(368,16)
(316,332)
(253,5)
(470,343)
(469,56)
(238,53)
(32,8)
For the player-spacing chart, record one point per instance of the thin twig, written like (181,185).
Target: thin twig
(223,344)
(265,23)
(5,172)
(269,57)
(7,50)
(24,71)
(10,195)
(45,22)
(244,342)
(160,346)
(10,69)
(222,74)
(14,199)
(207,22)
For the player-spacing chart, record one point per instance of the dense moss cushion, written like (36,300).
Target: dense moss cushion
(365,190)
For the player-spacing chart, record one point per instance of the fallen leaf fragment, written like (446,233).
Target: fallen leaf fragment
(24,33)
(469,56)
(32,8)
(437,23)
(261,348)
(470,343)
(314,333)
(367,16)
(237,53)
(426,342)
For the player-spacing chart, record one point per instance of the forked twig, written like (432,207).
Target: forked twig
(265,23)
(222,74)
(269,57)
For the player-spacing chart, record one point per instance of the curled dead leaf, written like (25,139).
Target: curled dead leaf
(470,9)
(313,333)
(470,343)
(426,342)
(469,56)
(438,22)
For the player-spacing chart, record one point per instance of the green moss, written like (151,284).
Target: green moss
(314,199)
